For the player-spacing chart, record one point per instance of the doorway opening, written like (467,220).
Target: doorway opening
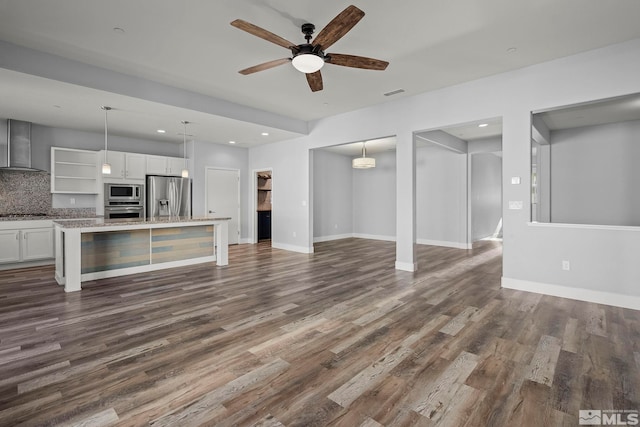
(263,206)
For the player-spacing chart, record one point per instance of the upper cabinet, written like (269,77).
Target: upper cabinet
(73,171)
(160,165)
(124,165)
(79,171)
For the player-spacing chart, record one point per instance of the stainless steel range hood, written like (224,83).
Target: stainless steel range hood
(15,152)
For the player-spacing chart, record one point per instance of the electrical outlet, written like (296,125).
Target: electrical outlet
(335,226)
(515,204)
(515,180)
(566,265)
(72,201)
(294,234)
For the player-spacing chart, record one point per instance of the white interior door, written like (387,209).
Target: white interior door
(223,198)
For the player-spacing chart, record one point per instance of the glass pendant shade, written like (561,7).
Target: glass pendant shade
(307,63)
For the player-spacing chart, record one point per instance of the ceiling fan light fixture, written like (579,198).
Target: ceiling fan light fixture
(307,62)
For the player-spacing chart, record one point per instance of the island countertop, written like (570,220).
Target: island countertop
(96,248)
(89,223)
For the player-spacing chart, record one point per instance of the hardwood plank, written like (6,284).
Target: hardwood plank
(439,396)
(272,338)
(543,364)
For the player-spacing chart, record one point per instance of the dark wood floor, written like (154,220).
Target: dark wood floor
(334,338)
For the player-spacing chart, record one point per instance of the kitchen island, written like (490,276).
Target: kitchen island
(98,248)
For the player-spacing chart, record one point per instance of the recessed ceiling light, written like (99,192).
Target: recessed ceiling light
(512,49)
(161,131)
(483,125)
(265,133)
(118,30)
(232,142)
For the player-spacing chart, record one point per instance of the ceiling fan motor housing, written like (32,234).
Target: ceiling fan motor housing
(307,30)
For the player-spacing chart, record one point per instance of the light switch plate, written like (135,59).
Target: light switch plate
(515,180)
(515,204)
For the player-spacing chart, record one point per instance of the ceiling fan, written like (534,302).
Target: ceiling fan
(309,57)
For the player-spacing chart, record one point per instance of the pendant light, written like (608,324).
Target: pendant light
(363,162)
(106,167)
(185,171)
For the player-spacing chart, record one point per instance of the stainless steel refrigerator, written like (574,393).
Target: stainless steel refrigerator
(168,196)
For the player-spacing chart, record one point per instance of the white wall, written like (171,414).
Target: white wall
(291,226)
(224,157)
(374,198)
(441,196)
(603,264)
(486,194)
(332,195)
(595,173)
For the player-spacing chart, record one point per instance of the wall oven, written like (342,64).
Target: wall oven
(123,201)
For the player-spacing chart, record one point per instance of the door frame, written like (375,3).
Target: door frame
(206,195)
(254,203)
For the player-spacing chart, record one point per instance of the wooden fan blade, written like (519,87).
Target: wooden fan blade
(338,27)
(315,81)
(264,66)
(262,33)
(356,61)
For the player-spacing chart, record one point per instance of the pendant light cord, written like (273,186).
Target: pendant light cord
(106,139)
(184,142)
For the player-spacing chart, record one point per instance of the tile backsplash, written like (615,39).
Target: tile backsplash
(29,192)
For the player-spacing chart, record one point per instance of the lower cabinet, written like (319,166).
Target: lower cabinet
(9,245)
(26,244)
(37,243)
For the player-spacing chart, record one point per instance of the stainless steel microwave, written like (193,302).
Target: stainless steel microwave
(122,193)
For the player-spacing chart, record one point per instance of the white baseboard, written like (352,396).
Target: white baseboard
(292,248)
(375,237)
(145,268)
(26,264)
(406,266)
(444,243)
(244,241)
(333,237)
(580,294)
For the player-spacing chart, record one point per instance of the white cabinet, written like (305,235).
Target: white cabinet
(125,165)
(9,245)
(26,241)
(73,171)
(37,243)
(135,166)
(175,165)
(160,165)
(156,165)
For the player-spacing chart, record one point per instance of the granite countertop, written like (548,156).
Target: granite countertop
(102,222)
(26,217)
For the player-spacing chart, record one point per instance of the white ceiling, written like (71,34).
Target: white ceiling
(614,110)
(191,46)
(467,132)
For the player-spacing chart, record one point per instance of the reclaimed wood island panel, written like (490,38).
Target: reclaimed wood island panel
(100,248)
